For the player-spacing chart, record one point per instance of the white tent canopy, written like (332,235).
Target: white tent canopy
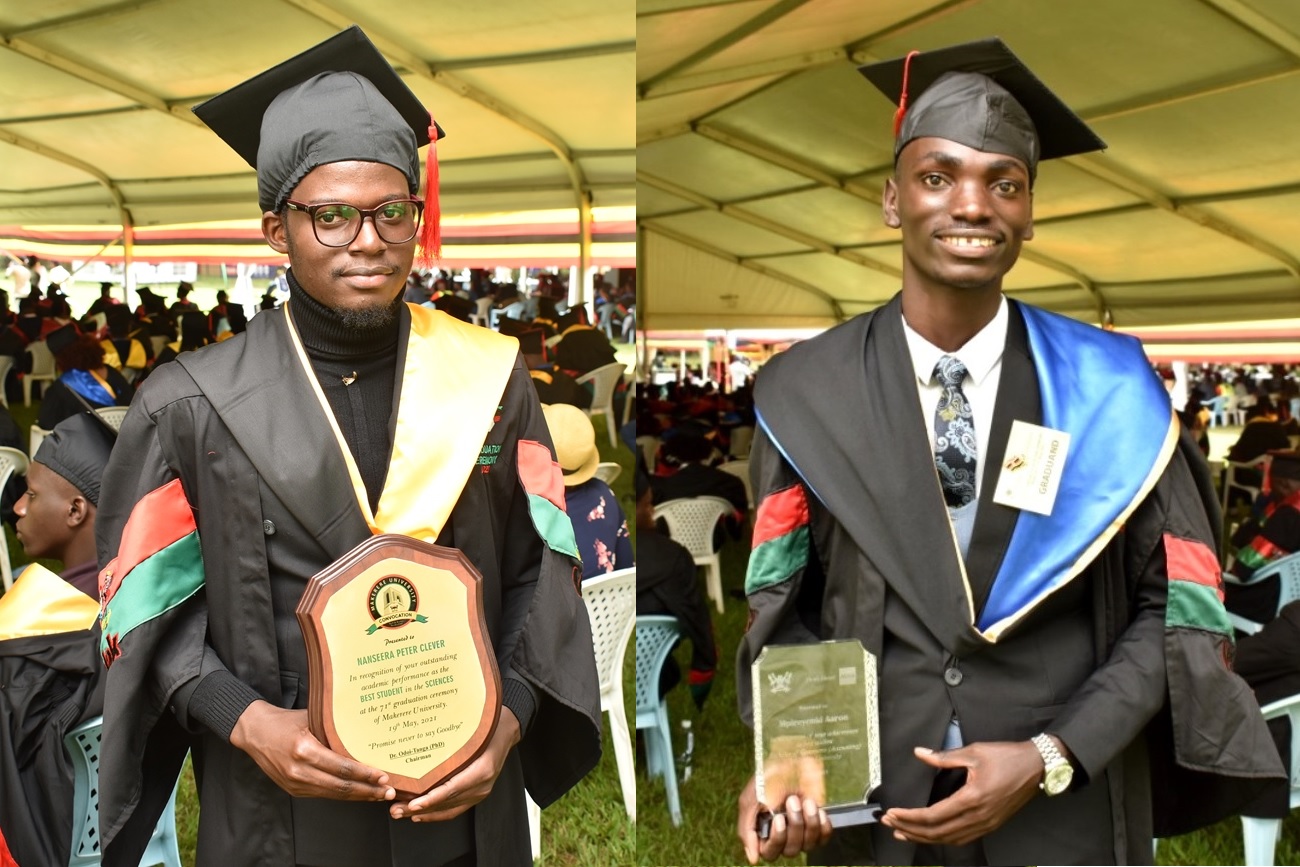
(762,154)
(95,98)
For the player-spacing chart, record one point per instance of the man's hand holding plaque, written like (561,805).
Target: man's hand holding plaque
(402,676)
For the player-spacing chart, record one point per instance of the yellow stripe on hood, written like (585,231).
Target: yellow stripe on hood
(456,373)
(42,603)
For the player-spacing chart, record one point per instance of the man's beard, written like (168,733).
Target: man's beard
(367,319)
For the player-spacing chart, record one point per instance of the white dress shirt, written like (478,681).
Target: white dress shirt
(982,356)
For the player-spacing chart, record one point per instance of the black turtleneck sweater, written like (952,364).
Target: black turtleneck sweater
(357,370)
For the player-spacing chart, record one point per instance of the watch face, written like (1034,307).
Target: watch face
(1057,779)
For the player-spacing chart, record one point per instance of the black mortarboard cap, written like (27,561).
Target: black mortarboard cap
(322,107)
(981,95)
(61,338)
(78,449)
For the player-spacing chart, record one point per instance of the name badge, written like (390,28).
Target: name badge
(1031,469)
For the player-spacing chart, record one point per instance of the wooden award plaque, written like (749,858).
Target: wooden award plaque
(401,671)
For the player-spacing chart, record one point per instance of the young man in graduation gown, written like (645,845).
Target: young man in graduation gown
(248,467)
(51,677)
(1048,665)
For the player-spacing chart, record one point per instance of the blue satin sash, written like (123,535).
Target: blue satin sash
(84,383)
(1098,387)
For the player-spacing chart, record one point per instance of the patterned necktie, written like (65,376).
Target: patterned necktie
(955,449)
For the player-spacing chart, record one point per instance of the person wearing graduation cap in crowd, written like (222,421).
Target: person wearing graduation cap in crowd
(85,381)
(1264,539)
(275,453)
(1053,669)
(49,654)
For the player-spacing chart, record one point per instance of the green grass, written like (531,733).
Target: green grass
(723,761)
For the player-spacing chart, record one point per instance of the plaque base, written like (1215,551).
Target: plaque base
(843,816)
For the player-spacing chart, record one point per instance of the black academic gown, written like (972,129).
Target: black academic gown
(273,502)
(1088,664)
(49,684)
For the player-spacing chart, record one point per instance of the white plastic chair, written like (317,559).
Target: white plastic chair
(482,309)
(112,414)
(82,744)
(534,824)
(691,521)
(1261,835)
(34,437)
(649,446)
(611,607)
(6,364)
(1287,570)
(608,471)
(12,462)
(629,401)
(604,380)
(655,636)
(742,438)
(740,469)
(43,369)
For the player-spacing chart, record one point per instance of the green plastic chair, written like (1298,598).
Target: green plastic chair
(82,744)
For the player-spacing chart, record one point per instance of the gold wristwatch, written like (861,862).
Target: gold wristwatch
(1057,770)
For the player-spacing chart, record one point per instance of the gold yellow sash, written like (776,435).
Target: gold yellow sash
(42,603)
(456,374)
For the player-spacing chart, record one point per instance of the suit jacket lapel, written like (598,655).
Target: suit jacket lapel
(1017,398)
(864,451)
(290,445)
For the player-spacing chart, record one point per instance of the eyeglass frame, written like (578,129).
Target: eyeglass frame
(363,213)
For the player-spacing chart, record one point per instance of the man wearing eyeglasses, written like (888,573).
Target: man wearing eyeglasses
(250,465)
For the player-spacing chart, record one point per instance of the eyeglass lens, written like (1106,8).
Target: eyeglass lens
(338,224)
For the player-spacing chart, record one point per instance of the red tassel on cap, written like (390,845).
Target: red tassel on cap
(431,231)
(902,99)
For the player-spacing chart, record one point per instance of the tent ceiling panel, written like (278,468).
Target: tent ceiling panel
(839,278)
(1198,186)
(1062,190)
(29,88)
(131,144)
(498,29)
(106,87)
(599,120)
(1197,164)
(810,26)
(605,173)
(1068,300)
(651,202)
(662,116)
(1207,300)
(20,170)
(1271,217)
(732,235)
(665,38)
(1101,52)
(153,45)
(784,116)
(1119,247)
(712,170)
(1029,274)
(839,218)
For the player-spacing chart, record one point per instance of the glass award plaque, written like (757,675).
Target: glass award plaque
(401,671)
(816,729)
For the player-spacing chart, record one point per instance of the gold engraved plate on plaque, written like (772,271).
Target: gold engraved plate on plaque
(401,673)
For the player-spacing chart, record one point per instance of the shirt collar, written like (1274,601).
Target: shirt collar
(980,354)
